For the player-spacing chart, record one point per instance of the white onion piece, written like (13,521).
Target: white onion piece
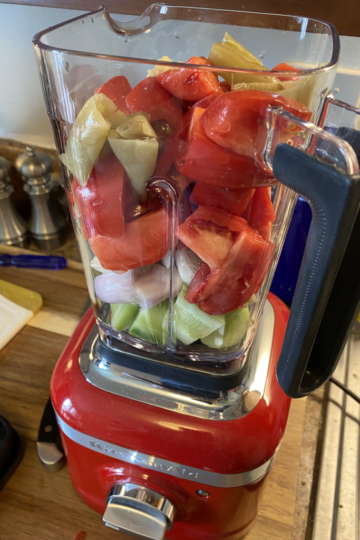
(166,260)
(155,286)
(188,263)
(115,288)
(96,265)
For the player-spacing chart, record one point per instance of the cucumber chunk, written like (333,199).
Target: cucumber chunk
(232,332)
(190,322)
(148,324)
(123,315)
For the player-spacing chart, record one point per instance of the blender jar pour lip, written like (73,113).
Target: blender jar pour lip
(37,41)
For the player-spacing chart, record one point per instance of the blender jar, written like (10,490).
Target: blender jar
(166,127)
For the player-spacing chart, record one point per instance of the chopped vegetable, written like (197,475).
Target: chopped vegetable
(230,53)
(234,200)
(188,263)
(188,83)
(205,161)
(155,286)
(123,315)
(87,137)
(116,89)
(100,203)
(138,158)
(136,126)
(148,324)
(237,120)
(160,69)
(115,288)
(149,96)
(190,323)
(231,333)
(146,240)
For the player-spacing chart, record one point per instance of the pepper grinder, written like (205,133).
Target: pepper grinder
(46,224)
(13,229)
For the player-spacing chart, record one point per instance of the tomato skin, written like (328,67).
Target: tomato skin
(237,120)
(210,232)
(260,210)
(234,201)
(190,84)
(226,87)
(146,241)
(207,162)
(101,202)
(285,67)
(240,276)
(149,96)
(116,89)
(182,131)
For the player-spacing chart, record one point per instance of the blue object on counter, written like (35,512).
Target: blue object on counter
(288,269)
(39,262)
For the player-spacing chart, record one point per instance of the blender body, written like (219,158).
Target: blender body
(169,408)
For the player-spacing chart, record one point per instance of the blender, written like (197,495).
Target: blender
(182,173)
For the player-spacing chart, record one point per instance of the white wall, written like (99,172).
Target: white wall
(22,111)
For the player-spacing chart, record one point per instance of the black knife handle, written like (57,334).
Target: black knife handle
(48,442)
(327,294)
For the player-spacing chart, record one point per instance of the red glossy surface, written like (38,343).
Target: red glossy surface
(224,447)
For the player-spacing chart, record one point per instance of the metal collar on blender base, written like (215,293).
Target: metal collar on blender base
(173,394)
(146,461)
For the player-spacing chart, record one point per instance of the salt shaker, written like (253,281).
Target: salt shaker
(13,229)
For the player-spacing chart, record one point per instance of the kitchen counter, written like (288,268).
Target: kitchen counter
(40,505)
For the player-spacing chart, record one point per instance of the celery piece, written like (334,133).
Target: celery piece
(87,137)
(138,157)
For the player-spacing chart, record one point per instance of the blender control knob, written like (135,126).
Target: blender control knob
(138,511)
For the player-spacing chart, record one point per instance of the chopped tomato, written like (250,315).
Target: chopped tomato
(285,67)
(239,277)
(182,131)
(260,210)
(205,161)
(265,230)
(101,202)
(167,157)
(234,200)
(225,86)
(206,101)
(146,240)
(190,84)
(197,283)
(149,96)
(237,120)
(210,232)
(116,89)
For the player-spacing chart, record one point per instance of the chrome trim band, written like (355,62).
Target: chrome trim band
(218,406)
(168,467)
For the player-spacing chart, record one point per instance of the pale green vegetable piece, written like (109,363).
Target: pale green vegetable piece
(87,137)
(190,323)
(117,119)
(123,315)
(230,53)
(136,127)
(149,326)
(160,69)
(232,332)
(138,157)
(300,90)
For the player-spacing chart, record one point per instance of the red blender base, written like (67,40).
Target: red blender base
(213,472)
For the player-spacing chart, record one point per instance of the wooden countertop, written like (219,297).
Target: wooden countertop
(39,505)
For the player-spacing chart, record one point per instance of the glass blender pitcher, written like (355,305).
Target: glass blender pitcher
(172,164)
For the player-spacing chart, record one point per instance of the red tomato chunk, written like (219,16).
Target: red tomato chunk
(190,84)
(101,202)
(149,96)
(205,161)
(146,241)
(116,89)
(234,200)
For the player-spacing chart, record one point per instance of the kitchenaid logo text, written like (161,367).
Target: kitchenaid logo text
(175,470)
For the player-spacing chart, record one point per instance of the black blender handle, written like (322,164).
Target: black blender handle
(327,294)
